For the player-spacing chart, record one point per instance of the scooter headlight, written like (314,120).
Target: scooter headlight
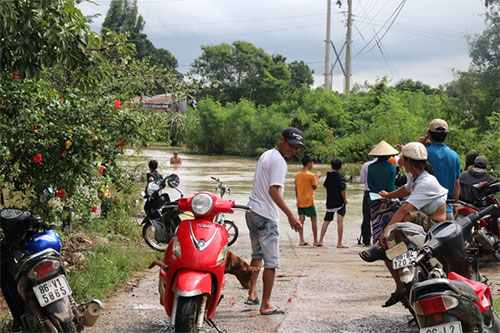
(202,203)
(222,255)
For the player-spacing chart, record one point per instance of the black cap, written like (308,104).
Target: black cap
(293,136)
(481,162)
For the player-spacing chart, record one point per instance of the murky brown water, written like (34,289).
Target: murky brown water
(237,173)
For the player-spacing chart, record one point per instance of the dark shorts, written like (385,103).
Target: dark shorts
(329,215)
(308,211)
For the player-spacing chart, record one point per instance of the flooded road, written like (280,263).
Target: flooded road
(323,289)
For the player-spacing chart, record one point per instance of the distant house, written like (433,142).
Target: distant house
(162,102)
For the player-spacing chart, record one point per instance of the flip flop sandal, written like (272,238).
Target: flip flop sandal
(395,298)
(304,244)
(277,310)
(372,254)
(255,302)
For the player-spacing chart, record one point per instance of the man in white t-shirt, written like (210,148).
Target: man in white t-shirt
(266,198)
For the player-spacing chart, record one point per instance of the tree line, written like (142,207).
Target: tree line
(70,103)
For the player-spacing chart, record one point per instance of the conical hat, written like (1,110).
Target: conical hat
(383,149)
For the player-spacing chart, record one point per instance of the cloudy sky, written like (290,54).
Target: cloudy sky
(418,39)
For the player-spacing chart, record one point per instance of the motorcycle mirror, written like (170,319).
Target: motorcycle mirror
(47,194)
(173,180)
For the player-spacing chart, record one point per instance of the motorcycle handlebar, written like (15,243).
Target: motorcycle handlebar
(242,207)
(479,215)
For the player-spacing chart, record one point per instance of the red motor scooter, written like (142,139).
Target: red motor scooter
(191,281)
(487,229)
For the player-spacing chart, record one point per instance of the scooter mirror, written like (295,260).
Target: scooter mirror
(173,180)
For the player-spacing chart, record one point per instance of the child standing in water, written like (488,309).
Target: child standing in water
(335,201)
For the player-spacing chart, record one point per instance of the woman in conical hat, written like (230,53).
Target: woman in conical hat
(381,176)
(383,149)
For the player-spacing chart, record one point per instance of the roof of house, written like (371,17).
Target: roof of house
(159,99)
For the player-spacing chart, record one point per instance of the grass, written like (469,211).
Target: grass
(107,267)
(496,305)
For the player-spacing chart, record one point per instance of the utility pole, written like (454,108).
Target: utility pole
(328,75)
(347,85)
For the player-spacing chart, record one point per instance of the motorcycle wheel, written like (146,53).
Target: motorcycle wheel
(187,314)
(232,232)
(148,233)
(68,327)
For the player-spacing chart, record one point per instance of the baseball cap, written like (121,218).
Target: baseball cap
(415,151)
(481,162)
(293,136)
(438,125)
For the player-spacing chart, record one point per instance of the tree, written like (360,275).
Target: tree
(302,75)
(478,89)
(229,73)
(123,18)
(64,118)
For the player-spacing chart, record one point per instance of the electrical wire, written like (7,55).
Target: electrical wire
(235,21)
(243,33)
(394,14)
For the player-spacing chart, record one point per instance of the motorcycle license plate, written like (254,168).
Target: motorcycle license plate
(52,290)
(405,259)
(453,327)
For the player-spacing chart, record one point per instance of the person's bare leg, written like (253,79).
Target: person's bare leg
(302,219)
(252,290)
(340,230)
(324,227)
(268,282)
(395,276)
(314,224)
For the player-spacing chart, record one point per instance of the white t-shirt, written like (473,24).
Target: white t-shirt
(271,170)
(426,194)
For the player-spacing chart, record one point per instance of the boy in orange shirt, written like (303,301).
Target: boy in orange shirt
(305,183)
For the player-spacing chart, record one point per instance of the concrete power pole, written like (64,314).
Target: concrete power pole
(347,86)
(328,78)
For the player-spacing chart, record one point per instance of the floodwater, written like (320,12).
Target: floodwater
(237,172)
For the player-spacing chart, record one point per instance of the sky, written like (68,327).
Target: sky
(423,40)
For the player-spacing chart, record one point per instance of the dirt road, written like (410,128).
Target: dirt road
(323,290)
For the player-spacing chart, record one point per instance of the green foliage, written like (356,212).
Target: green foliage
(229,73)
(64,119)
(106,268)
(123,18)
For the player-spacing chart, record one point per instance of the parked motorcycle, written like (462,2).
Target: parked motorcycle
(34,280)
(191,286)
(453,299)
(232,228)
(486,235)
(161,221)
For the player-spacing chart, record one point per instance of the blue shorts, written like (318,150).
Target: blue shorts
(264,236)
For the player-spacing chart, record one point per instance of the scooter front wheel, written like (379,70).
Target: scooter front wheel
(148,233)
(232,232)
(186,317)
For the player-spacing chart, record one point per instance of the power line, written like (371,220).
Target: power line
(235,21)
(395,13)
(243,33)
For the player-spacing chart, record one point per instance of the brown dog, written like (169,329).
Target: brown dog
(239,268)
(234,265)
